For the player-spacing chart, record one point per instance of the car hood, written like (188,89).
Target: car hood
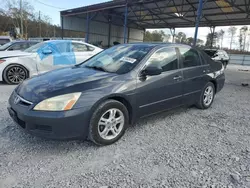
(8,54)
(62,81)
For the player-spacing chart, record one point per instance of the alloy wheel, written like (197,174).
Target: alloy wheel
(208,95)
(111,124)
(16,75)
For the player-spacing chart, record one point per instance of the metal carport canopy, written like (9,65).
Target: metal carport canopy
(146,14)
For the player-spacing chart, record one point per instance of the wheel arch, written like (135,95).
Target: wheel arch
(215,84)
(28,71)
(120,98)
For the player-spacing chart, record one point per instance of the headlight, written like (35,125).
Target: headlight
(58,103)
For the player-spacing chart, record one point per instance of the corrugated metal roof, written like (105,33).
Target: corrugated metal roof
(172,13)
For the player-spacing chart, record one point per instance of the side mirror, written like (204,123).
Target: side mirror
(152,70)
(47,51)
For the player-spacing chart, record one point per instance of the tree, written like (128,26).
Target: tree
(181,38)
(232,32)
(190,41)
(155,36)
(200,42)
(211,39)
(243,37)
(20,11)
(221,37)
(167,38)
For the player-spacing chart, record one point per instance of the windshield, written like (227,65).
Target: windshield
(119,59)
(211,53)
(5,46)
(34,48)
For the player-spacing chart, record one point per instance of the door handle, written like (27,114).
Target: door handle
(177,77)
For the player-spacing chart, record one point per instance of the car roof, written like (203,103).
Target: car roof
(60,41)
(4,37)
(28,41)
(158,44)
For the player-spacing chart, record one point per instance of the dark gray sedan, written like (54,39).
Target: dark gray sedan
(99,98)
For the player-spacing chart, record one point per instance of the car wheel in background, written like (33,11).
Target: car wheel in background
(108,123)
(15,74)
(207,96)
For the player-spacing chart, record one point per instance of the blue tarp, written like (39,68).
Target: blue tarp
(62,52)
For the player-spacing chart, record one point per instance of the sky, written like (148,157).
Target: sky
(52,8)
(203,31)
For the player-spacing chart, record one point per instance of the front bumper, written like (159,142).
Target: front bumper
(72,124)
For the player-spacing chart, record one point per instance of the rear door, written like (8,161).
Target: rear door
(194,74)
(164,91)
(81,51)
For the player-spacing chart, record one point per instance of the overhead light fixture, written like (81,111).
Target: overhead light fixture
(178,14)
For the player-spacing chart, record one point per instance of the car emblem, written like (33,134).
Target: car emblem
(17,100)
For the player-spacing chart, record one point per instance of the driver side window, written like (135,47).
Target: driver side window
(166,58)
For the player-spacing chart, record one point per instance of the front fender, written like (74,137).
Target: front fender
(26,62)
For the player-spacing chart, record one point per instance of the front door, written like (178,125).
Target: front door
(164,91)
(55,55)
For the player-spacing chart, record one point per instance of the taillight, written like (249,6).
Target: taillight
(2,60)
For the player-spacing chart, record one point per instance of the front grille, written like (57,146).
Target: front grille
(21,101)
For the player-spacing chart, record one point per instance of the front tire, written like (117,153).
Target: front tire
(108,123)
(15,74)
(207,96)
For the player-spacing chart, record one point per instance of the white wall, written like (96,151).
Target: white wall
(99,31)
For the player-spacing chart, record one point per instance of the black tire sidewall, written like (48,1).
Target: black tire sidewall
(100,110)
(5,77)
(202,95)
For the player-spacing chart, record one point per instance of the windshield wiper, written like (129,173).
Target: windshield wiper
(97,68)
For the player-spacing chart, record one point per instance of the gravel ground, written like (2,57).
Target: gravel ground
(185,147)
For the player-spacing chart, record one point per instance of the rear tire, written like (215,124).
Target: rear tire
(108,123)
(15,74)
(207,96)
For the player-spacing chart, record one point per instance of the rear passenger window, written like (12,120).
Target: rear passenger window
(190,57)
(166,58)
(17,46)
(90,48)
(77,47)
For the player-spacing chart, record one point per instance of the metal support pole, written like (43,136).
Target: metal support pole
(128,35)
(172,31)
(125,24)
(109,36)
(199,12)
(62,29)
(173,41)
(87,28)
(212,31)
